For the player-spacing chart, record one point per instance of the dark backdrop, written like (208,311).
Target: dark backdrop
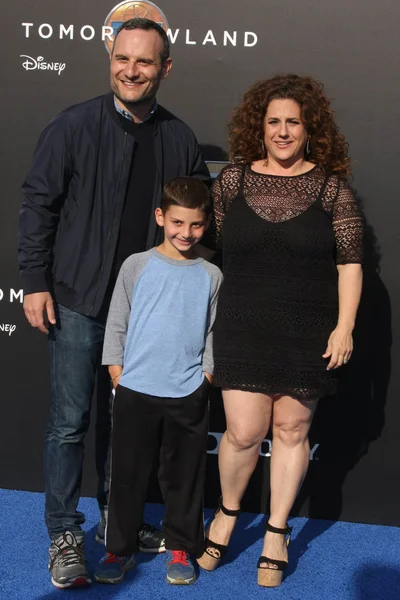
(354,48)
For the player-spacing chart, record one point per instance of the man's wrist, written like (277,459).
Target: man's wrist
(35,283)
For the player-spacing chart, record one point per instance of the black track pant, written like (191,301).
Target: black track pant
(173,430)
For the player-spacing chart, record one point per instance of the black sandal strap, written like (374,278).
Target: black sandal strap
(280,564)
(227,511)
(220,547)
(286,531)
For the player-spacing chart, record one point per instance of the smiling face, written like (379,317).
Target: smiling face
(136,69)
(285,136)
(183,229)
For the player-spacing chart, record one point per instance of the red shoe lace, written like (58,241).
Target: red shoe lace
(179,556)
(112,558)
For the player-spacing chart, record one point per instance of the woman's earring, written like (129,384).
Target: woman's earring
(263,149)
(308,147)
(264,153)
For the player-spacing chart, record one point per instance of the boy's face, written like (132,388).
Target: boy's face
(183,227)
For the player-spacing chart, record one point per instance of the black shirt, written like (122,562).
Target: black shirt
(137,209)
(136,213)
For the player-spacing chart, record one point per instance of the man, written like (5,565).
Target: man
(97,166)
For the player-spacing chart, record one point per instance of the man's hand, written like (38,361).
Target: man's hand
(39,310)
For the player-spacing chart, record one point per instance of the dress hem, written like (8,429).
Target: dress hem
(273,391)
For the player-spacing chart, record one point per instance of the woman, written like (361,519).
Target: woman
(291,235)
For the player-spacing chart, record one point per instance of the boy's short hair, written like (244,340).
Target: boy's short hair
(187,192)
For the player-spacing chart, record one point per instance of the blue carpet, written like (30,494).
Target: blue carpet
(328,561)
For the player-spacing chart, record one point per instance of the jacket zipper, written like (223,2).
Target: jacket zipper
(112,222)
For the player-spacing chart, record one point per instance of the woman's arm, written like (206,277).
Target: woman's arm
(349,284)
(348,227)
(340,343)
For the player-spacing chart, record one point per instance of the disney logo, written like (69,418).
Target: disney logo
(32,64)
(7,328)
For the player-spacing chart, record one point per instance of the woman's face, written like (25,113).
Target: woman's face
(285,136)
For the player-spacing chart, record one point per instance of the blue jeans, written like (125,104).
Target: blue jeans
(75,344)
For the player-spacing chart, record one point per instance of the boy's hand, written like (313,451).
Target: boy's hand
(115,374)
(209,377)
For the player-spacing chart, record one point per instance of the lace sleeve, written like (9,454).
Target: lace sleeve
(348,226)
(223,191)
(218,210)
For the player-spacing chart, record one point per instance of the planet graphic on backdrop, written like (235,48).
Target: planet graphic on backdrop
(133,10)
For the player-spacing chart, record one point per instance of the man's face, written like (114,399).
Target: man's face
(136,70)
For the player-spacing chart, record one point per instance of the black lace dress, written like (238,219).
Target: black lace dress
(281,238)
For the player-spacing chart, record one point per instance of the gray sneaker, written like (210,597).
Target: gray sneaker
(151,539)
(67,563)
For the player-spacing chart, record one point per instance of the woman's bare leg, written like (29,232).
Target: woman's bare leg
(248,418)
(289,463)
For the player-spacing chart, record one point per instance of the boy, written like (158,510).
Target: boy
(158,345)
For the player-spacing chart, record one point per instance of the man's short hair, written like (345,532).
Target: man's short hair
(147,25)
(187,192)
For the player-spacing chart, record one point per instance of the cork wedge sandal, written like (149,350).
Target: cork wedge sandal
(272,574)
(213,552)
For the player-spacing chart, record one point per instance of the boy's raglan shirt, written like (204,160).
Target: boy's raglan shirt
(159,326)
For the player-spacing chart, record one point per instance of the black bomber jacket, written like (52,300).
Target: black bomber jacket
(74,196)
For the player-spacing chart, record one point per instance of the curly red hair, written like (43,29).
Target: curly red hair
(328,147)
